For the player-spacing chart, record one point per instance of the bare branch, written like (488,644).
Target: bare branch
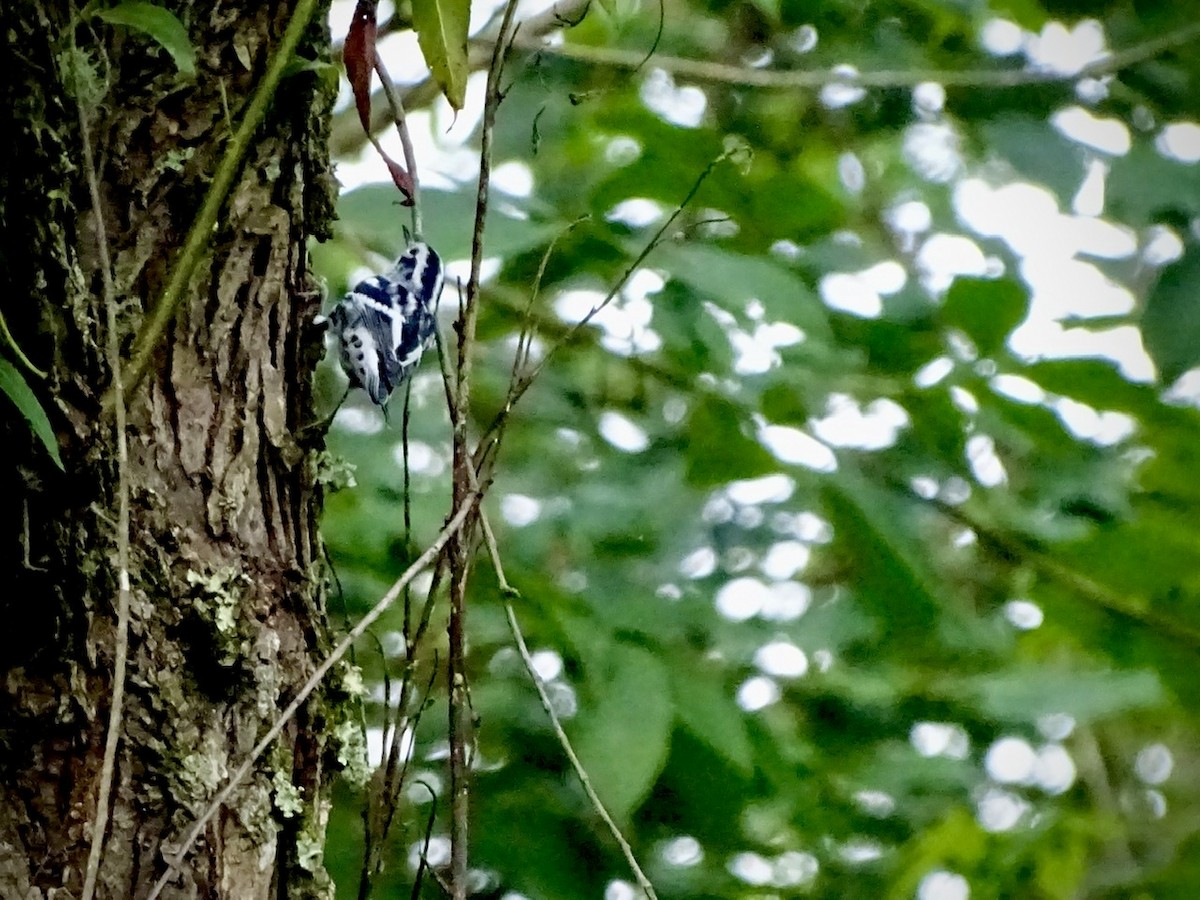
(724,73)
(459,551)
(563,740)
(410,157)
(518,390)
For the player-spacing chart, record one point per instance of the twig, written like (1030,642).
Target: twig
(410,156)
(658,34)
(347,136)
(17,352)
(424,858)
(459,725)
(389,780)
(518,391)
(405,420)
(1094,772)
(200,233)
(466,326)
(392,778)
(489,447)
(565,743)
(509,592)
(368,812)
(724,73)
(121,651)
(460,550)
(524,340)
(370,849)
(1016,546)
(175,860)
(581,773)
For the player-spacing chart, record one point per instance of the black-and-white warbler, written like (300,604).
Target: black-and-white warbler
(384,325)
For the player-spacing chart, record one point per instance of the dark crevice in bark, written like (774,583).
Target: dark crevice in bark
(277,337)
(166,390)
(271,511)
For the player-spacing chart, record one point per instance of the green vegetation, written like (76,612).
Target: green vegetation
(857,534)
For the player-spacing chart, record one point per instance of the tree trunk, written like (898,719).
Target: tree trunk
(227,615)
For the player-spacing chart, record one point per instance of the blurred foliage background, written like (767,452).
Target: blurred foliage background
(857,538)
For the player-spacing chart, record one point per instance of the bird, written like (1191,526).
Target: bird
(386,322)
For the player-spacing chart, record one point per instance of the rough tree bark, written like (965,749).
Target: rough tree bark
(227,615)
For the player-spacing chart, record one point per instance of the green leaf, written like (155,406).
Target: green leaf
(783,404)
(769,8)
(1157,556)
(441,27)
(326,72)
(693,341)
(1096,382)
(717,451)
(708,711)
(893,347)
(987,310)
(621,11)
(1038,151)
(956,840)
(1144,186)
(1171,318)
(733,279)
(938,427)
(160,25)
(870,529)
(623,737)
(1087,696)
(14,386)
(877,531)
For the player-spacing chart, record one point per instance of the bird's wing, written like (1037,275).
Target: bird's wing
(372,323)
(419,269)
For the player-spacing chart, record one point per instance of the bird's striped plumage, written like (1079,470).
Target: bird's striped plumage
(384,324)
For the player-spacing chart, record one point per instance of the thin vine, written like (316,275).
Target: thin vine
(121,647)
(200,232)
